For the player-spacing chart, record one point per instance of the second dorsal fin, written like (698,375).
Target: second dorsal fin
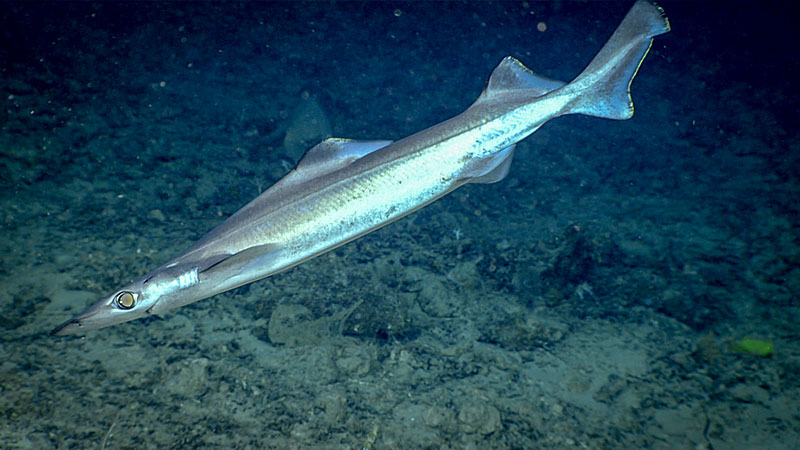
(511,75)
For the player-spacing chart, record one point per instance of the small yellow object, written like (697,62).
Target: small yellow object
(753,346)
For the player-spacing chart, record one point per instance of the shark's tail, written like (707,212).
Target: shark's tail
(604,86)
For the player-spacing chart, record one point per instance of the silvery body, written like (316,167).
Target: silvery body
(343,189)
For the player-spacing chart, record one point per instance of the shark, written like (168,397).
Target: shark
(342,189)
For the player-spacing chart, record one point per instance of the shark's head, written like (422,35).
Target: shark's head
(128,303)
(167,287)
(170,286)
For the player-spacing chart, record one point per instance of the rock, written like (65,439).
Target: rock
(442,418)
(286,324)
(333,406)
(437,300)
(408,425)
(525,333)
(749,394)
(355,360)
(465,274)
(479,417)
(683,421)
(294,325)
(156,215)
(191,380)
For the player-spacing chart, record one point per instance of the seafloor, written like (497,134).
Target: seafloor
(593,299)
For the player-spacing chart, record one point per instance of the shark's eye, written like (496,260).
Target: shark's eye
(125,300)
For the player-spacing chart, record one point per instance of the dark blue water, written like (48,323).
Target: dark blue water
(596,297)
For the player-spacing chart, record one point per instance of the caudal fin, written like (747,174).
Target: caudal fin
(604,86)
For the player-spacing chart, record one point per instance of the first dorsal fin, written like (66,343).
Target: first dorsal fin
(328,156)
(511,75)
(334,153)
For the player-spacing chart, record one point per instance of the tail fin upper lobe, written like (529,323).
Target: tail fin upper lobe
(604,86)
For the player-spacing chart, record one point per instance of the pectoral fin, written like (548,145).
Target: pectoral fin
(259,257)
